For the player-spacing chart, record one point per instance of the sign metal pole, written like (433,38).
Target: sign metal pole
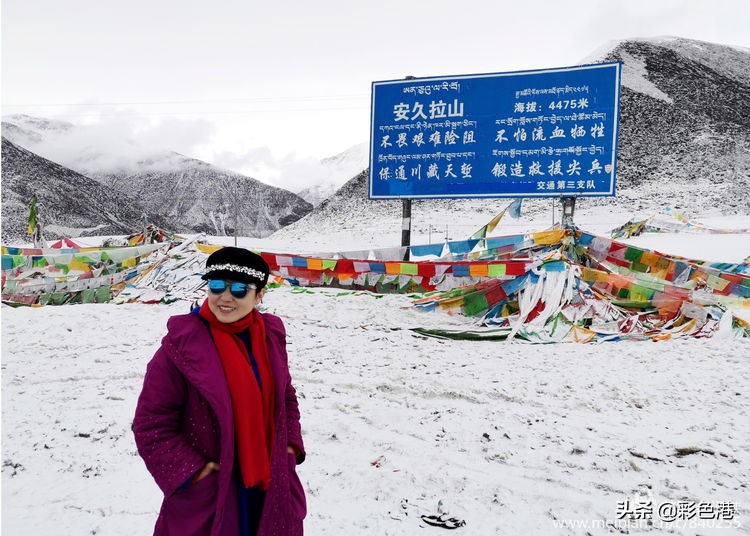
(406,214)
(406,227)
(568,208)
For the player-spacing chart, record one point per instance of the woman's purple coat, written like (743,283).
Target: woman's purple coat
(184,420)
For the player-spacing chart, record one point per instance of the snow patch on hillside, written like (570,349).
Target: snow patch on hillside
(634,72)
(635,77)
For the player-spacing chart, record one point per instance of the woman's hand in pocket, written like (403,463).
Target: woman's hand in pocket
(209,468)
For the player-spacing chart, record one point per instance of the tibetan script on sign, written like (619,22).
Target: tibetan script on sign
(525,134)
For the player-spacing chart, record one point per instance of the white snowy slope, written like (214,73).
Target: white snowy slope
(510,437)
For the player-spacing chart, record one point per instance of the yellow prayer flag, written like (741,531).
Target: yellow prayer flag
(129,263)
(206,248)
(451,303)
(79,266)
(545,238)
(649,259)
(579,334)
(487,229)
(494,221)
(594,276)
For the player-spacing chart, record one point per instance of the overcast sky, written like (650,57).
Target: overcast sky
(235,82)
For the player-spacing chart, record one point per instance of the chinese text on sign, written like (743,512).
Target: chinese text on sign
(532,134)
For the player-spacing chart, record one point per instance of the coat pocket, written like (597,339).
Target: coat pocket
(191,511)
(296,491)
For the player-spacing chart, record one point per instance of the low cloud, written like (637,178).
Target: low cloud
(113,142)
(293,172)
(290,172)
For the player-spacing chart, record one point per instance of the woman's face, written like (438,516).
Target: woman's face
(227,308)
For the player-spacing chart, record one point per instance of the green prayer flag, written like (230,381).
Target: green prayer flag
(481,233)
(475,304)
(633,254)
(408,268)
(329,264)
(32,215)
(103,295)
(495,270)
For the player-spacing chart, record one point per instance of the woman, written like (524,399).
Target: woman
(217,421)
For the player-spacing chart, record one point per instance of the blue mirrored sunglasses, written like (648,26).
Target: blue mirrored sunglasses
(236,289)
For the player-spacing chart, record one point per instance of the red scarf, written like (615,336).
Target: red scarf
(253,408)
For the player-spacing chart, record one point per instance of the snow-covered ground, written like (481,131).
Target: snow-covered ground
(511,437)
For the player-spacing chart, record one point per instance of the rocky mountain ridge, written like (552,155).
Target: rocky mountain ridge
(195,196)
(70,204)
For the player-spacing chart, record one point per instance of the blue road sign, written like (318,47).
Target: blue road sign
(540,133)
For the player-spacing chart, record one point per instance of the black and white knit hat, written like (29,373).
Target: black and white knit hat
(237,264)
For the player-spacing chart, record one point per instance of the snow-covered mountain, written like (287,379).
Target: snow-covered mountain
(337,170)
(199,197)
(87,149)
(684,143)
(71,204)
(29,131)
(189,194)
(685,124)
